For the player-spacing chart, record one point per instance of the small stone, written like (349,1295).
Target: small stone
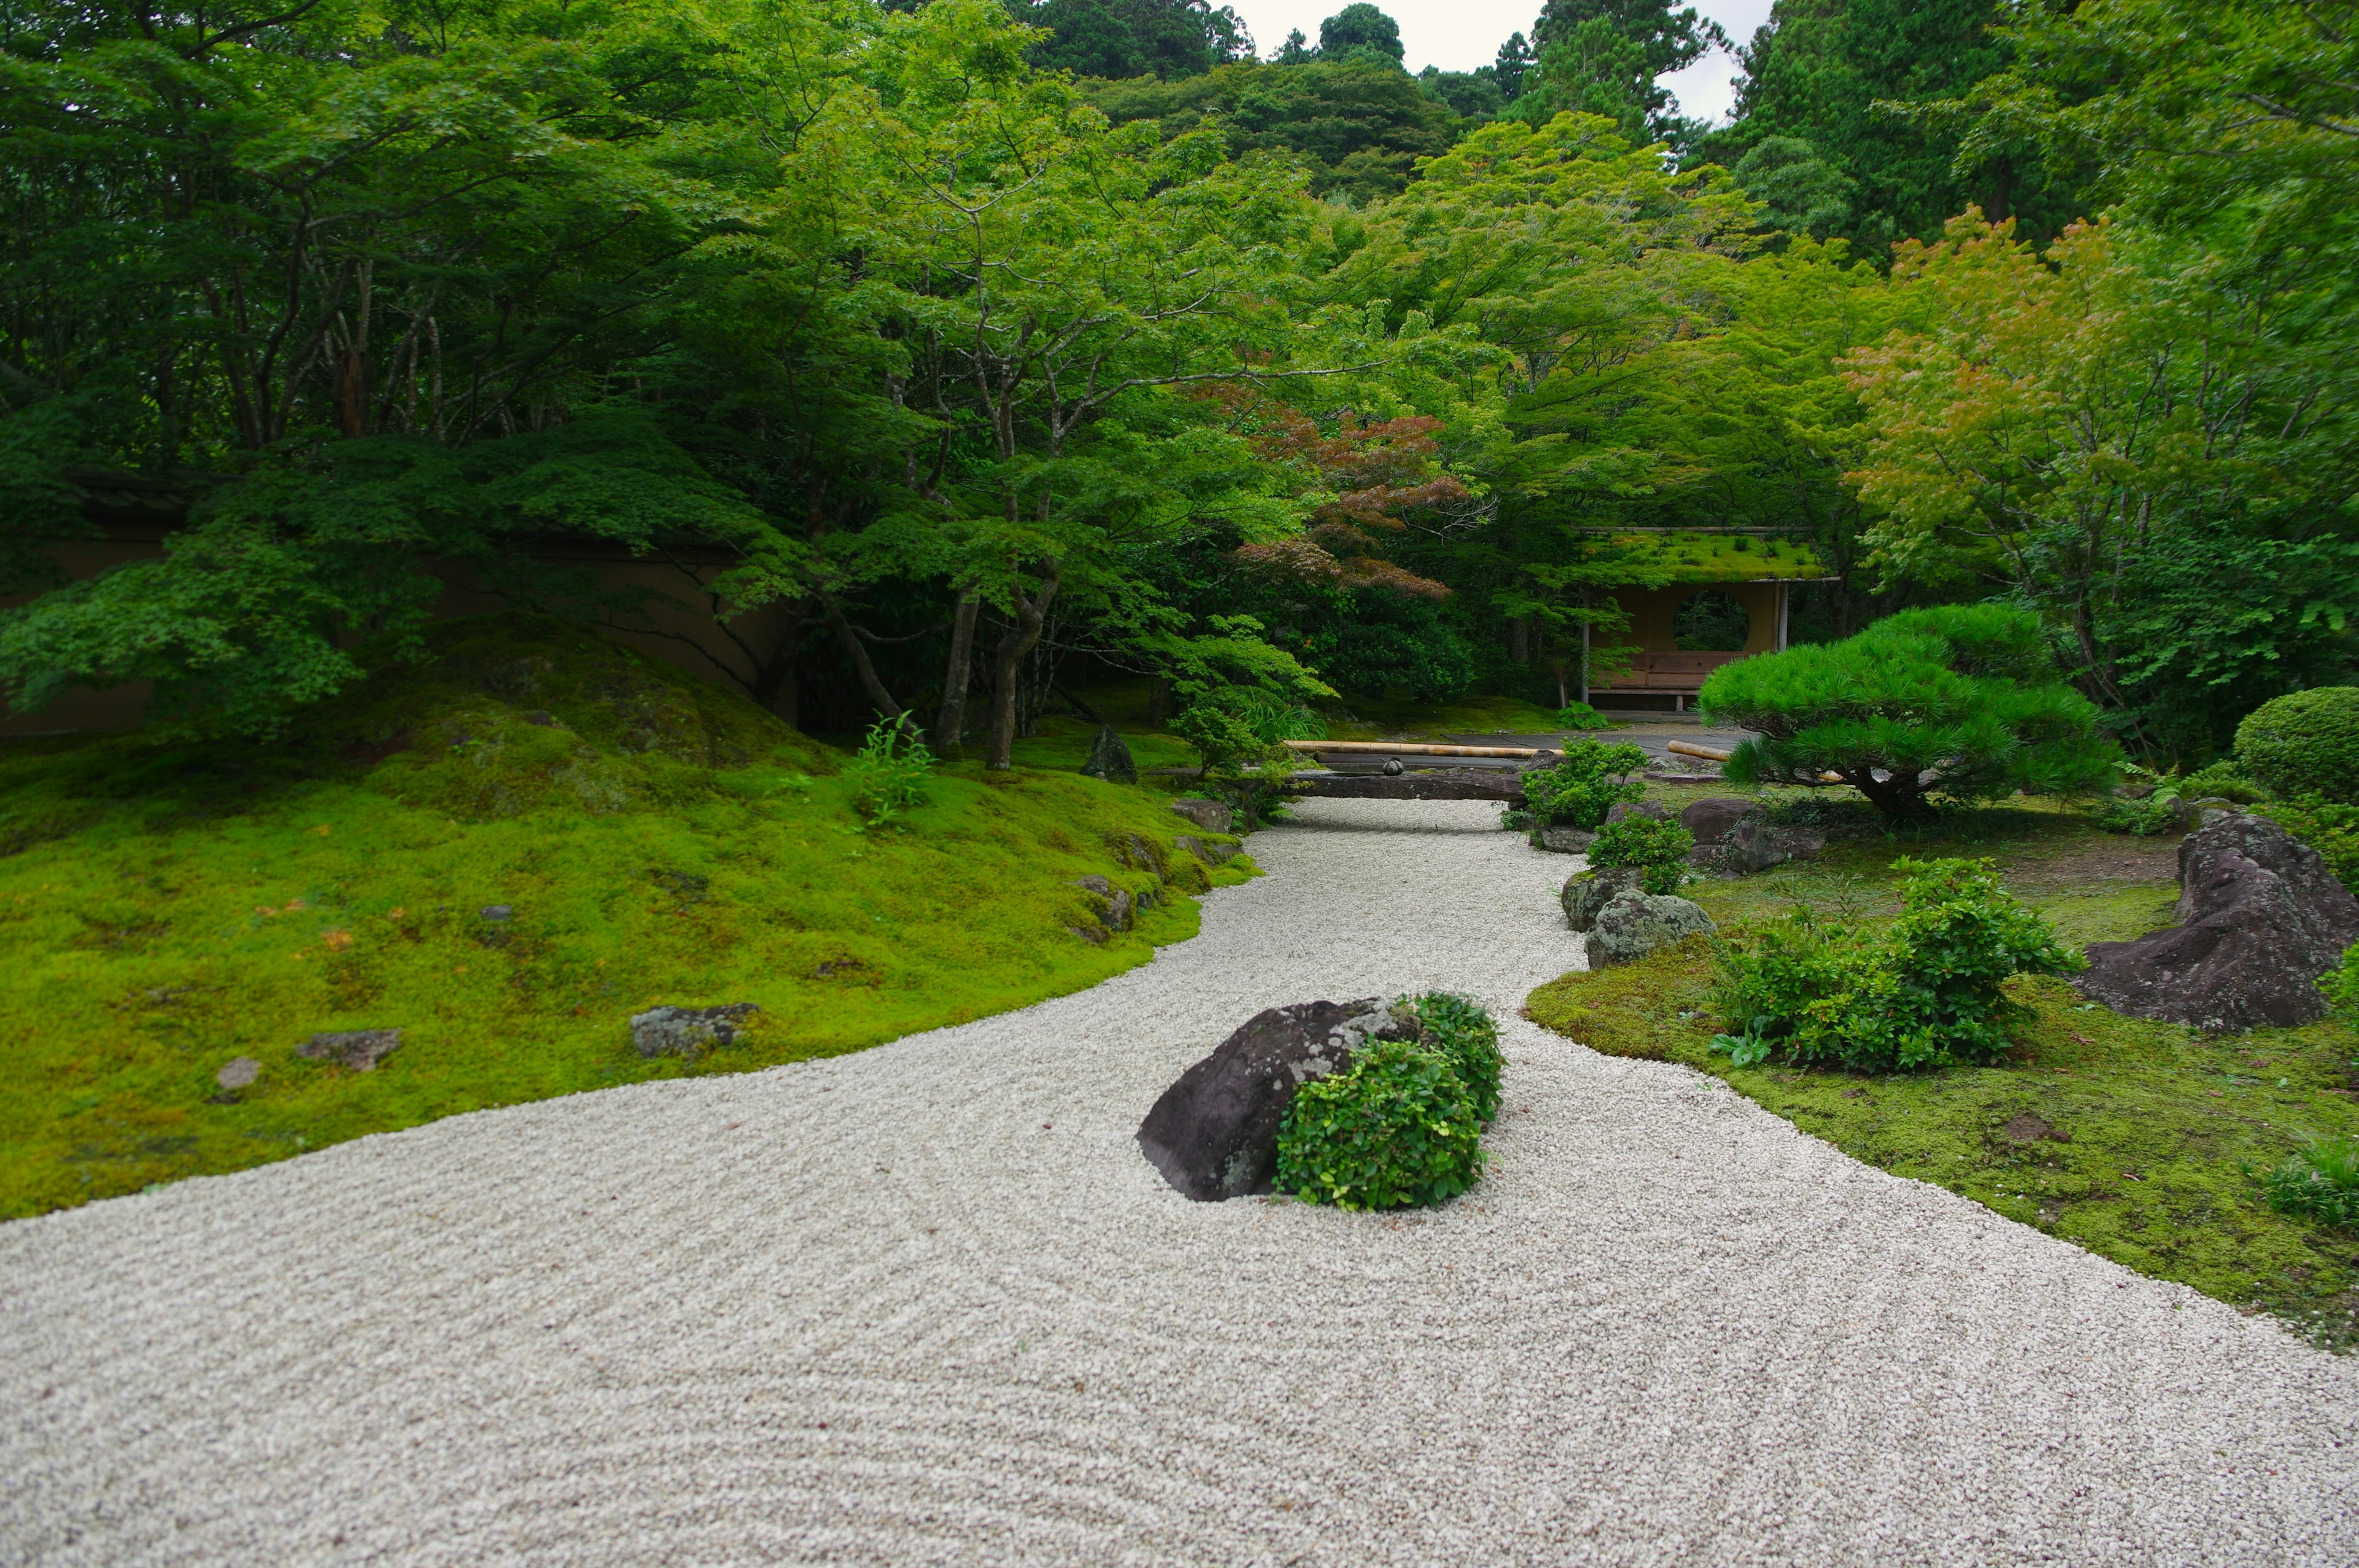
(498,911)
(685,1031)
(1633,923)
(541,717)
(2030,1127)
(238,1073)
(1110,758)
(1562,839)
(1210,816)
(359,1049)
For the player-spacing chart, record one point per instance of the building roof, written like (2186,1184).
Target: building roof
(1726,555)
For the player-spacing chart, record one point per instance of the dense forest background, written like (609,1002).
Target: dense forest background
(978,341)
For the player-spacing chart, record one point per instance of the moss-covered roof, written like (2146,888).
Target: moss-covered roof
(1697,557)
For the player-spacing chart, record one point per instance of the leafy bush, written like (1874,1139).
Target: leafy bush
(2304,743)
(2156,811)
(892,772)
(1959,701)
(1925,996)
(2341,985)
(1584,786)
(1581,716)
(1403,1125)
(1659,847)
(1458,1027)
(1398,1129)
(2322,1182)
(2332,830)
(2221,781)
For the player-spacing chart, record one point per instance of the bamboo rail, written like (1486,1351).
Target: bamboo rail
(1411,749)
(1706,752)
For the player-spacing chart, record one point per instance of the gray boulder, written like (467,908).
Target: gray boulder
(1562,839)
(2260,918)
(1633,923)
(1213,1134)
(359,1049)
(238,1073)
(1709,820)
(685,1031)
(1623,810)
(1110,758)
(1586,893)
(1210,816)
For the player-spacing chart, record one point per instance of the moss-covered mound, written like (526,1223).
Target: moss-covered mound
(504,852)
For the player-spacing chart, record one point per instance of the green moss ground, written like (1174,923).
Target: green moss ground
(166,909)
(2167,1127)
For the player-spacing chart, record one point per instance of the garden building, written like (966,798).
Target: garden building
(1699,598)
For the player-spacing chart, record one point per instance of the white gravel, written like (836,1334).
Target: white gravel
(928,1305)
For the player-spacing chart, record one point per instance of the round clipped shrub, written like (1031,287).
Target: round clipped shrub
(2306,742)
(1397,1130)
(1458,1027)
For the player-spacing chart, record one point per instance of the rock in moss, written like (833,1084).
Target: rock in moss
(359,1049)
(685,1031)
(1633,923)
(1211,815)
(1109,759)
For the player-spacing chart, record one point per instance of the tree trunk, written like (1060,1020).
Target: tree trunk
(1008,657)
(950,724)
(1159,702)
(870,680)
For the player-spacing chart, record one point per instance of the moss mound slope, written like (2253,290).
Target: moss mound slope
(503,851)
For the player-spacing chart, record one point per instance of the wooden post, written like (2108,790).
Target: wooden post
(1784,589)
(1584,650)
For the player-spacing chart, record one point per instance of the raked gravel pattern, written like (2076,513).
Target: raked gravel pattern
(928,1305)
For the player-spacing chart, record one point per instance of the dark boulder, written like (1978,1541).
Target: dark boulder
(1213,1134)
(1752,845)
(1709,820)
(1586,893)
(2260,919)
(1623,810)
(685,1031)
(1110,758)
(1211,851)
(1562,839)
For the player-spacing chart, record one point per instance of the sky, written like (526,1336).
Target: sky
(1458,35)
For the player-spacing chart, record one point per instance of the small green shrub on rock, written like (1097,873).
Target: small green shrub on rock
(1657,847)
(1925,996)
(2304,743)
(1397,1130)
(1579,791)
(1403,1125)
(2332,830)
(1458,1026)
